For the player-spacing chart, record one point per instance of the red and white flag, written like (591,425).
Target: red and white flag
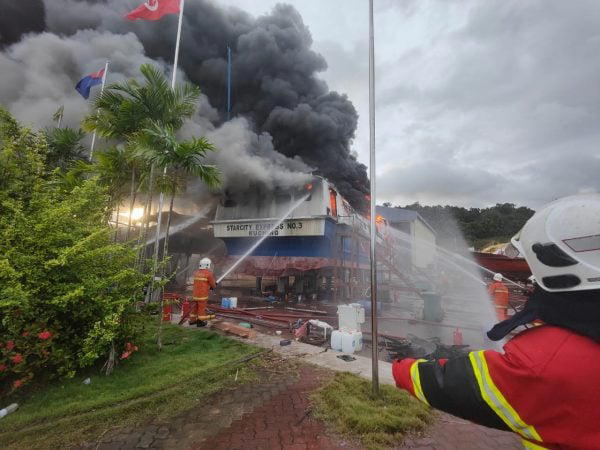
(154,9)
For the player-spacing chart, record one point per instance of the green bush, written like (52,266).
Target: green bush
(66,289)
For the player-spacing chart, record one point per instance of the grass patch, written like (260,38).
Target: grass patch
(348,404)
(152,384)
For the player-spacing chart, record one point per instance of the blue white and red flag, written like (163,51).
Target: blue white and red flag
(87,83)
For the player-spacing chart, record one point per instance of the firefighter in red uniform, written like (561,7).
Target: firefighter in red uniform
(204,281)
(546,384)
(499,293)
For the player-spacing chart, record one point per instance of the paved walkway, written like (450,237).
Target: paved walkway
(451,433)
(274,413)
(282,422)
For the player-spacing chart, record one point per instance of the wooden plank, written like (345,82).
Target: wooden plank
(237,330)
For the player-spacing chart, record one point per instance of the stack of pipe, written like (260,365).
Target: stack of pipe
(272,318)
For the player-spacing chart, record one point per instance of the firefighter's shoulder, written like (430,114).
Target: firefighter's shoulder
(542,346)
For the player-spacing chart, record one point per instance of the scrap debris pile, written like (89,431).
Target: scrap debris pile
(415,347)
(312,326)
(306,325)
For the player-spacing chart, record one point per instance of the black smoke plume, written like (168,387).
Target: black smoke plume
(275,84)
(19,17)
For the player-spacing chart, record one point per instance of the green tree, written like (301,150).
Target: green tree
(179,161)
(159,146)
(113,171)
(64,147)
(479,226)
(22,158)
(124,109)
(66,290)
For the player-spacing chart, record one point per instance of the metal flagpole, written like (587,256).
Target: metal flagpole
(161,199)
(101,92)
(228,82)
(176,61)
(375,340)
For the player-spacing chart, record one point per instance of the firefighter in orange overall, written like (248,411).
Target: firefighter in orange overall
(204,281)
(499,292)
(545,385)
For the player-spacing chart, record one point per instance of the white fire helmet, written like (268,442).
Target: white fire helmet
(498,277)
(205,263)
(561,243)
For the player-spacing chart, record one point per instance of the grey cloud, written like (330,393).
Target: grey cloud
(432,181)
(515,87)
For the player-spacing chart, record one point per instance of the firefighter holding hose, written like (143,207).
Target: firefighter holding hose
(499,293)
(204,281)
(545,385)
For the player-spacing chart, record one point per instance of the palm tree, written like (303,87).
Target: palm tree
(113,173)
(59,115)
(124,109)
(64,147)
(158,145)
(180,160)
(68,180)
(138,176)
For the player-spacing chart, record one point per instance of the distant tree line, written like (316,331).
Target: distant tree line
(479,226)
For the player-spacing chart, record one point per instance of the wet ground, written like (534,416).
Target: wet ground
(275,413)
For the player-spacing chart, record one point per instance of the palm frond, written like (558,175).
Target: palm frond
(64,147)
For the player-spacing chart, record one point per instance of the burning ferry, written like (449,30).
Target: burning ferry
(318,249)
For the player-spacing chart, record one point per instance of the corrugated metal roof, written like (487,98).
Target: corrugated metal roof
(395,215)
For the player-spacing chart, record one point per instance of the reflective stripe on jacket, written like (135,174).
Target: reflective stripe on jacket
(544,387)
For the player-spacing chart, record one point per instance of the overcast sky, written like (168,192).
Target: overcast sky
(478,102)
